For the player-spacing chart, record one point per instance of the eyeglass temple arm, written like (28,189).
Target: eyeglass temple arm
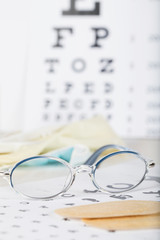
(96,154)
(1,173)
(4,171)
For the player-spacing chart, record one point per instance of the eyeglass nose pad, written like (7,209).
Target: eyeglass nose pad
(84,168)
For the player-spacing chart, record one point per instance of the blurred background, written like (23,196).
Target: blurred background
(67,60)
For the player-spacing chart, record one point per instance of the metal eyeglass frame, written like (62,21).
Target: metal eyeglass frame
(89,166)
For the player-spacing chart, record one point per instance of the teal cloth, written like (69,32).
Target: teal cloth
(64,154)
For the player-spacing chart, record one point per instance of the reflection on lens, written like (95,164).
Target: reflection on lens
(120,172)
(36,178)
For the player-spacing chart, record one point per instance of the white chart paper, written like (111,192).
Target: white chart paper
(21,218)
(95,57)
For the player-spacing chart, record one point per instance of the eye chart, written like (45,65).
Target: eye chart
(99,57)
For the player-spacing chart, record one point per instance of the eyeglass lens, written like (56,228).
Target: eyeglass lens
(41,177)
(119,172)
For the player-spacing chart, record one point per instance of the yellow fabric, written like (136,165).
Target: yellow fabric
(93,133)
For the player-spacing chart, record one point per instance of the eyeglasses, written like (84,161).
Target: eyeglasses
(43,177)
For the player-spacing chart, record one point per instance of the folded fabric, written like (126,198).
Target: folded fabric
(111,209)
(93,133)
(126,223)
(118,215)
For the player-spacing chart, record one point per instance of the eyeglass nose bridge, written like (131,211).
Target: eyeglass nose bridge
(84,168)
